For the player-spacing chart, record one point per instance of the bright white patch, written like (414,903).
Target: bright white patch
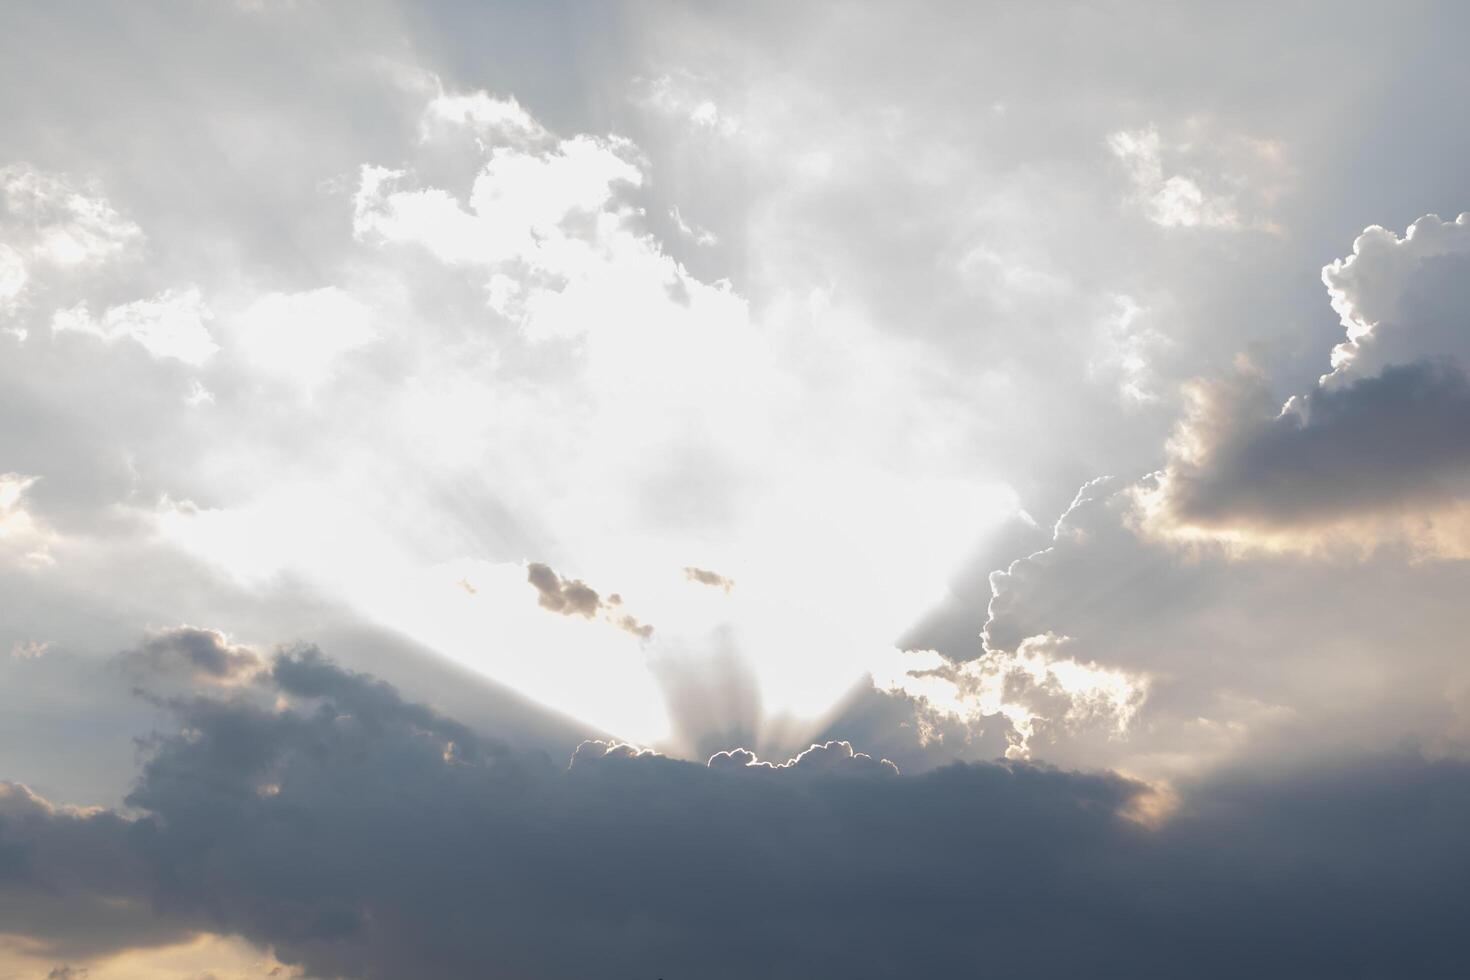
(21,535)
(1372,290)
(482,113)
(198,395)
(1125,343)
(13,276)
(700,236)
(299,336)
(800,453)
(62,225)
(172,324)
(1251,169)
(681,100)
(1035,686)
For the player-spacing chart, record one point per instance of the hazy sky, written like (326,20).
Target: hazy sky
(733,490)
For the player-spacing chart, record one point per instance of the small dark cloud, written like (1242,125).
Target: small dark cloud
(573,597)
(199,653)
(570,597)
(706,577)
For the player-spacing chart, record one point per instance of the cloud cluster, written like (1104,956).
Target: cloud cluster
(362,835)
(1377,451)
(573,597)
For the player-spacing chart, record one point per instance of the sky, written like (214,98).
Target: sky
(776,490)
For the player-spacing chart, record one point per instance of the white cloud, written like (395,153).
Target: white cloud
(491,118)
(13,276)
(57,223)
(1041,693)
(696,234)
(682,98)
(300,336)
(171,325)
(1203,176)
(1175,200)
(21,534)
(1392,308)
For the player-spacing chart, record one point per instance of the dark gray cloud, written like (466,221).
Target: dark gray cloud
(366,836)
(204,654)
(1383,435)
(573,597)
(1401,437)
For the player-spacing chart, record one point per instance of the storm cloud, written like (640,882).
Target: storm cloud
(362,835)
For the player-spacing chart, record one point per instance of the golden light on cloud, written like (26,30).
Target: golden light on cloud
(203,955)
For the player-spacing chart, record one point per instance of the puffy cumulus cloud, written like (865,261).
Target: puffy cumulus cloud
(835,757)
(203,655)
(172,324)
(1197,181)
(493,119)
(573,597)
(267,822)
(594,751)
(1377,452)
(1401,299)
(1181,658)
(1036,693)
(46,219)
(550,209)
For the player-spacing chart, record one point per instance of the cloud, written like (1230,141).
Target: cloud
(831,758)
(1037,692)
(1378,451)
(570,597)
(573,597)
(300,336)
(495,120)
(203,655)
(172,324)
(1198,180)
(45,218)
(21,533)
(265,819)
(705,577)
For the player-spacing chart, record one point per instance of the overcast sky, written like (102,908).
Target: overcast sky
(733,490)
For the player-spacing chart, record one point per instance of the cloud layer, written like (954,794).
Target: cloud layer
(362,835)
